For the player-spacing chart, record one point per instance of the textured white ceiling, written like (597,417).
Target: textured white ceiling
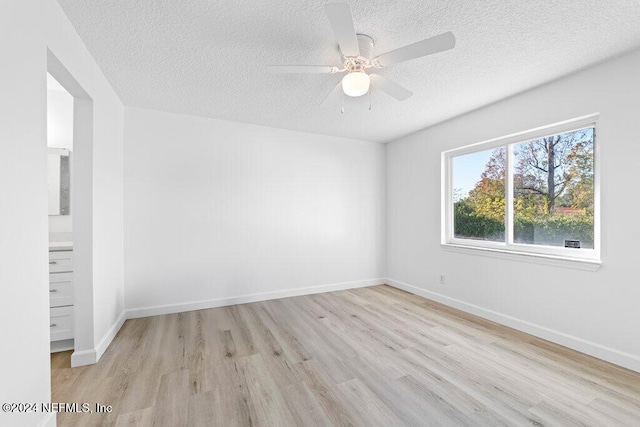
(207,57)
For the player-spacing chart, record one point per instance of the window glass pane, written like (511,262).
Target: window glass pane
(479,195)
(553,190)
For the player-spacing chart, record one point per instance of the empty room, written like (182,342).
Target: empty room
(319,213)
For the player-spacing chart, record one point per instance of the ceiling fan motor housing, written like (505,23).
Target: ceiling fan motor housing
(366,46)
(361,62)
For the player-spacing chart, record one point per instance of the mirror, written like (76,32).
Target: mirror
(59,181)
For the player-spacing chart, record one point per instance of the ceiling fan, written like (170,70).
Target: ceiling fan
(357,52)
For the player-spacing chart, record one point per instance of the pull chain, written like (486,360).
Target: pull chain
(369,100)
(342,103)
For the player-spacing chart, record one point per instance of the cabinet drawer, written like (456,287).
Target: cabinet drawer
(61,323)
(60,261)
(60,289)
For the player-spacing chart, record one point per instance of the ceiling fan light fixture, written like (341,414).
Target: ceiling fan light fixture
(356,83)
(357,56)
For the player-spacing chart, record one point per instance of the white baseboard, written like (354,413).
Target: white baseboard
(83,357)
(110,335)
(49,420)
(62,345)
(91,356)
(133,313)
(608,354)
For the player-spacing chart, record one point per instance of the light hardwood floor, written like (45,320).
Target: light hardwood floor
(371,356)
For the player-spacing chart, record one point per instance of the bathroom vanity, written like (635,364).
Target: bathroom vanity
(61,295)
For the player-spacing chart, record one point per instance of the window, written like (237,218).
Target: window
(531,193)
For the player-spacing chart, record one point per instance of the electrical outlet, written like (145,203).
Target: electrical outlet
(442,279)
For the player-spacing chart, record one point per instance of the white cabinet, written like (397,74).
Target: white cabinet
(61,298)
(60,261)
(60,289)
(61,323)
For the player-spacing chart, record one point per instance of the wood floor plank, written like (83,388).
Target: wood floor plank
(304,405)
(443,409)
(141,418)
(509,405)
(369,410)
(336,409)
(234,396)
(294,350)
(368,356)
(265,399)
(205,409)
(170,411)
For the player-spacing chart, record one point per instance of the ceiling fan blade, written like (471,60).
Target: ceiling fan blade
(391,88)
(334,97)
(339,15)
(425,47)
(302,69)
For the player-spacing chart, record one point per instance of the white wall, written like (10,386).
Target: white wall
(106,158)
(596,312)
(216,210)
(24,306)
(28,28)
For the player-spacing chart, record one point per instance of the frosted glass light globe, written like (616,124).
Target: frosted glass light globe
(356,83)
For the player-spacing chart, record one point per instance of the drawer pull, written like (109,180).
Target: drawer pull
(53,262)
(52,291)
(53,325)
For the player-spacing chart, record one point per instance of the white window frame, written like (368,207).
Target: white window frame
(580,258)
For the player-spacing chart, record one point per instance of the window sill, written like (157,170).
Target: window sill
(555,260)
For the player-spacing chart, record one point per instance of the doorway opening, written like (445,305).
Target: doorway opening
(59,175)
(70,163)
